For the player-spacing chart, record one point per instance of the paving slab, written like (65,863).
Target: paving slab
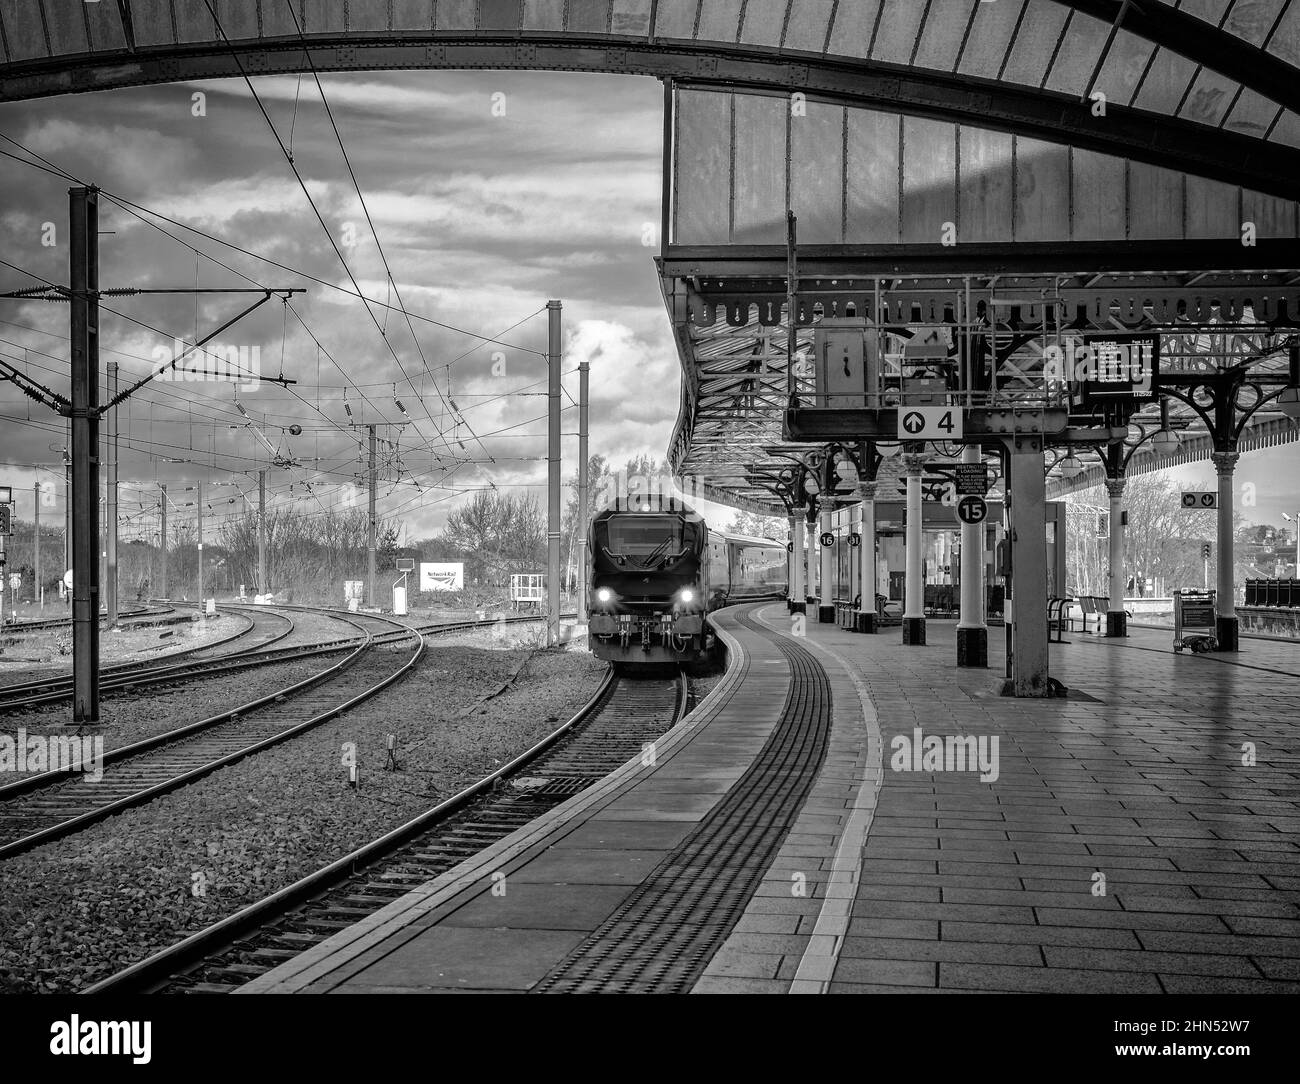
(1114,852)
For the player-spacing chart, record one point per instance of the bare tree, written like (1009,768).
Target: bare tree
(756,526)
(497,534)
(1162,539)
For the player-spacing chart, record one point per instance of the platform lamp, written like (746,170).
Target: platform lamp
(1071,466)
(812,485)
(1164,440)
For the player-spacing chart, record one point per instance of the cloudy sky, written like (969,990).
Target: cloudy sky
(489,192)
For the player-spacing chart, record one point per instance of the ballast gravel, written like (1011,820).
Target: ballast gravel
(79,909)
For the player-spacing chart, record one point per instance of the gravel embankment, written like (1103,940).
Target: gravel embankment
(313,628)
(126,718)
(81,908)
(28,656)
(154,710)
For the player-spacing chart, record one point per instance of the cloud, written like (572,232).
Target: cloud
(482,219)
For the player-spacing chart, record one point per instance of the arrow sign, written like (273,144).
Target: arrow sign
(1200,499)
(929,423)
(972,509)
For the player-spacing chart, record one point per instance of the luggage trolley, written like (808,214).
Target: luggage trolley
(1194,624)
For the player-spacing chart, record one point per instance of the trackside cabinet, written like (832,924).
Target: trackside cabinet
(847,364)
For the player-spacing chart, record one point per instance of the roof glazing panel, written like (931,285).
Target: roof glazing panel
(720,21)
(764,22)
(853,28)
(807,25)
(1285,41)
(1253,20)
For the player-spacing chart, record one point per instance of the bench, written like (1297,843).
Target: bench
(1091,606)
(1056,618)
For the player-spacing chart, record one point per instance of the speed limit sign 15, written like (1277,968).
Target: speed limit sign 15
(972,509)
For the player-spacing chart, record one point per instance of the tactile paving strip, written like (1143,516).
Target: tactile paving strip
(663,936)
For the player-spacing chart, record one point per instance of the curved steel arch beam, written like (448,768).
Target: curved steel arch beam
(1148,137)
(1203,43)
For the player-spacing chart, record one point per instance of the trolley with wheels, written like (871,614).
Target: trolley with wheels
(1194,625)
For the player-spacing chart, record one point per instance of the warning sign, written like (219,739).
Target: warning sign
(972,479)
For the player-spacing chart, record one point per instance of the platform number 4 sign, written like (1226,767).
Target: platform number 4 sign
(929,423)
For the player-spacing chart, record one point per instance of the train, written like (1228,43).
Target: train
(656,570)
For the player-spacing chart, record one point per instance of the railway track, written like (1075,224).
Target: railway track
(266,627)
(127,677)
(61,622)
(53,804)
(609,730)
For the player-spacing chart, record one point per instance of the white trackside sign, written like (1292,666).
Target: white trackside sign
(435,576)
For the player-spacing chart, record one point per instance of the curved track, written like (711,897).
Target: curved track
(48,806)
(609,730)
(60,622)
(126,677)
(265,627)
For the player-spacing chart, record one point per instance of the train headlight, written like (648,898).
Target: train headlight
(605,595)
(686,595)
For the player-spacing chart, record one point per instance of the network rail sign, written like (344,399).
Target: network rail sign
(448,576)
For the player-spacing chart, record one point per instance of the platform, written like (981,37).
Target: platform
(1123,846)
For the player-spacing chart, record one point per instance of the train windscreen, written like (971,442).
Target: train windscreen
(646,538)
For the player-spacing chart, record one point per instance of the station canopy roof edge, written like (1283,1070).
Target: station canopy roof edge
(728,443)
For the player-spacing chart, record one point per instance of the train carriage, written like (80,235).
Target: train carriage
(656,570)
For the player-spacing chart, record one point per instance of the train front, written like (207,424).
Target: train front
(647,584)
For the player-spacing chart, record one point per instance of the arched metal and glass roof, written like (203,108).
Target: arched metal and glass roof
(1211,82)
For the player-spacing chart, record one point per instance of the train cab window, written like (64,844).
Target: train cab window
(646,538)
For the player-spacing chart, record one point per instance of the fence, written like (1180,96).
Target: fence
(1285,593)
